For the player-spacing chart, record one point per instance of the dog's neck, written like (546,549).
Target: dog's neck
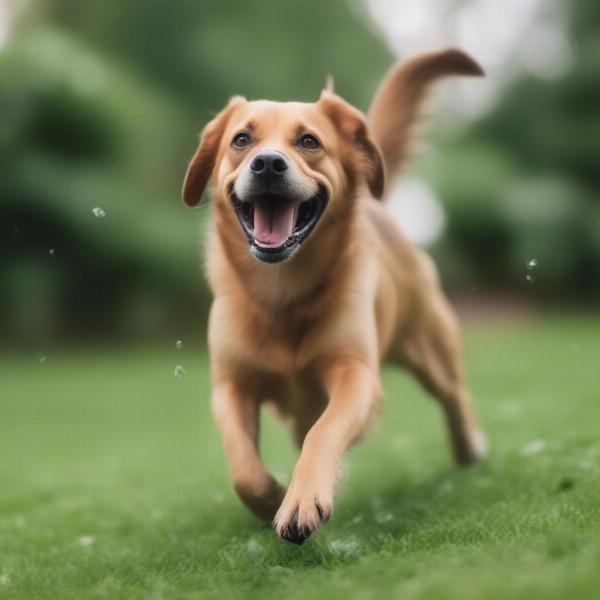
(300,280)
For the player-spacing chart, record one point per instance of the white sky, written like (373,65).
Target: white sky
(505,36)
(508,37)
(8,9)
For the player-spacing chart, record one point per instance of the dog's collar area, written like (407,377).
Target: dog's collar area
(306,215)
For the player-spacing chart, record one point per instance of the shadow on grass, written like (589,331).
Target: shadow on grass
(396,516)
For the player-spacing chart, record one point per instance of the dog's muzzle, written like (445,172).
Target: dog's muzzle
(277,206)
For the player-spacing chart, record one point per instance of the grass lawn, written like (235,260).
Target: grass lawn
(113,483)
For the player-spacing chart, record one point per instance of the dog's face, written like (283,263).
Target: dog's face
(284,168)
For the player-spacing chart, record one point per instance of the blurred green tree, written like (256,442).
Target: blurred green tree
(523,182)
(101,105)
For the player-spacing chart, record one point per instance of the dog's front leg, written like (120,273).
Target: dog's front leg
(353,391)
(237,414)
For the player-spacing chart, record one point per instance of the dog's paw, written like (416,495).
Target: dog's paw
(473,449)
(297,520)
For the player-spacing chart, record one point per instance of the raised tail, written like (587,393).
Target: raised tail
(397,102)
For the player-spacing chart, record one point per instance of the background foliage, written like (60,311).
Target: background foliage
(113,481)
(101,104)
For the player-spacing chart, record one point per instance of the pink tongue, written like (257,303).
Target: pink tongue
(273,221)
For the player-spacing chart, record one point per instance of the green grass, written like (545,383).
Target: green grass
(111,448)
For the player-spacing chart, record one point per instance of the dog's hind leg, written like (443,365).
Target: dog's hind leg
(432,350)
(237,414)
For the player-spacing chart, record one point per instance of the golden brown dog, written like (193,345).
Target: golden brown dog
(314,285)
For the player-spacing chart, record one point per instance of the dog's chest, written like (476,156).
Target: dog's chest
(278,345)
(258,341)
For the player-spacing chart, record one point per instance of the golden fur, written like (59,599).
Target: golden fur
(308,335)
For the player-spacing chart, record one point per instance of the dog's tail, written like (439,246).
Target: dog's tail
(397,102)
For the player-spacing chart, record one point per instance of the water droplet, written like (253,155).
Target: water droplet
(529,278)
(381,518)
(99,212)
(533,447)
(532,264)
(51,251)
(86,540)
(179,372)
(43,359)
(179,344)
(344,548)
(254,547)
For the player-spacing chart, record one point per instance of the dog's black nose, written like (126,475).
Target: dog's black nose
(269,166)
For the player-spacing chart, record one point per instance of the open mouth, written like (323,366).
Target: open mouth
(276,225)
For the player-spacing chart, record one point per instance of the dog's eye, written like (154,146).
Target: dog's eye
(309,142)
(241,140)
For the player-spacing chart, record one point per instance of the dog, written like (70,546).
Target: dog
(314,285)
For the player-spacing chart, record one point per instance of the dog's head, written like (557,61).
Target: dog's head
(284,168)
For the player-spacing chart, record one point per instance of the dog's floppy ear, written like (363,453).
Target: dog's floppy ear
(361,153)
(203,162)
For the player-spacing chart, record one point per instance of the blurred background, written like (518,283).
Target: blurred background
(101,104)
(113,482)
